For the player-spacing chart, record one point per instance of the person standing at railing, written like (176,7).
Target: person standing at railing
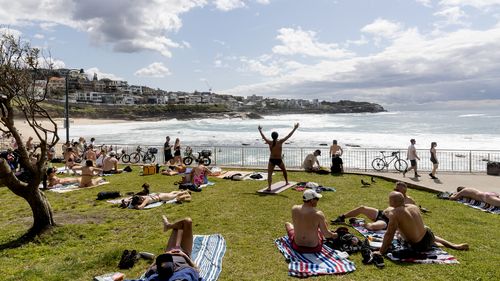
(412,156)
(335,152)
(275,159)
(434,161)
(167,151)
(177,152)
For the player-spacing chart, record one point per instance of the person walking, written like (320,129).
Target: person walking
(413,157)
(275,159)
(434,161)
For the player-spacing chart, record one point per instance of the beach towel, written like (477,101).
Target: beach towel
(402,253)
(208,251)
(59,188)
(229,174)
(326,262)
(257,176)
(483,206)
(149,206)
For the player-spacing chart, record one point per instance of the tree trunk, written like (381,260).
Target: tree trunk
(42,211)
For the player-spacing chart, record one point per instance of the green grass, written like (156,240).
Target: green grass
(92,234)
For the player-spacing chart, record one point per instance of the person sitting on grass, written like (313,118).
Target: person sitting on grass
(53,180)
(176,262)
(309,225)
(407,220)
(379,218)
(141,201)
(110,164)
(491,198)
(88,173)
(199,173)
(311,163)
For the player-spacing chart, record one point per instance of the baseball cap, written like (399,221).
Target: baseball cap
(112,153)
(311,194)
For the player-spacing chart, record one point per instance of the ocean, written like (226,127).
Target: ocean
(465,129)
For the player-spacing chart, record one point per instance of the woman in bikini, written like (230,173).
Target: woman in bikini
(177,152)
(275,146)
(88,174)
(198,174)
(141,201)
(53,180)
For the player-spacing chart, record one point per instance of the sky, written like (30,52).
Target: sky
(402,54)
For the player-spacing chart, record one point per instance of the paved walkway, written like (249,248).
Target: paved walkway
(446,181)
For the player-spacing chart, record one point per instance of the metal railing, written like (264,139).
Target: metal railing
(354,158)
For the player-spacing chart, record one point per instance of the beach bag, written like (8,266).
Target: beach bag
(127,169)
(108,195)
(148,170)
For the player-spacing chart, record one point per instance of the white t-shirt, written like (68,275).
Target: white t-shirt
(309,162)
(412,152)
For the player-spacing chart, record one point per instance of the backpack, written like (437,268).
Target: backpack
(107,195)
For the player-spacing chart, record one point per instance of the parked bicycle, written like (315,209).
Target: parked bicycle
(146,157)
(380,163)
(121,155)
(203,156)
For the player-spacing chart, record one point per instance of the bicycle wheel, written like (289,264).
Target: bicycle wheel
(148,158)
(135,157)
(206,161)
(400,165)
(125,158)
(378,164)
(187,160)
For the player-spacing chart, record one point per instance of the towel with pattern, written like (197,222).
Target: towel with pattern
(480,205)
(328,261)
(208,251)
(60,188)
(402,253)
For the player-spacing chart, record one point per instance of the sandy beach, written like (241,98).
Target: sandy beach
(26,131)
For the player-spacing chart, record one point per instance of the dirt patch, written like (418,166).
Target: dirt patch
(66,218)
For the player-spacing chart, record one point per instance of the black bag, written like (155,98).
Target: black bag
(108,195)
(336,165)
(189,186)
(127,169)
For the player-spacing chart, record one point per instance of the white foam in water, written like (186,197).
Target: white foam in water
(450,129)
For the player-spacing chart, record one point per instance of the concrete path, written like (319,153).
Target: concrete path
(446,181)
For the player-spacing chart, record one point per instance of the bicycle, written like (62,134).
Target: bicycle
(147,157)
(380,163)
(123,156)
(203,156)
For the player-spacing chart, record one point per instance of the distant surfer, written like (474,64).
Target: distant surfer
(275,159)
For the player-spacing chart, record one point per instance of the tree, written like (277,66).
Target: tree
(19,69)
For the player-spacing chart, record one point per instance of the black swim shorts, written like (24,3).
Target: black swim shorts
(425,243)
(382,217)
(275,162)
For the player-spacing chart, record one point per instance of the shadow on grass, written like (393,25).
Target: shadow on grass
(21,241)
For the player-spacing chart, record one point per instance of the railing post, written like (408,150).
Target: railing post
(366,158)
(470,161)
(215,156)
(242,157)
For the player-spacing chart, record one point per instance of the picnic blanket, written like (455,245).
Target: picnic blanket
(60,188)
(480,205)
(326,262)
(402,253)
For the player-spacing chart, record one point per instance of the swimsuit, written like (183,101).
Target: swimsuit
(382,217)
(304,249)
(199,179)
(275,161)
(154,197)
(425,243)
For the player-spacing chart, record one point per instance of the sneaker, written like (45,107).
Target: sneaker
(378,260)
(404,172)
(367,255)
(338,220)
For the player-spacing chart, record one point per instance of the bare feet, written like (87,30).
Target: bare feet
(166,224)
(462,247)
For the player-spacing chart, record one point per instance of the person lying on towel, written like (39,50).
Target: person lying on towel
(175,263)
(491,198)
(141,201)
(309,225)
(53,179)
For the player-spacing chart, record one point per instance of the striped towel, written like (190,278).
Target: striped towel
(328,261)
(480,205)
(208,251)
(435,255)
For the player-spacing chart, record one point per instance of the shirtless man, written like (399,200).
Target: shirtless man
(88,174)
(407,220)
(309,225)
(336,150)
(275,159)
(110,164)
(379,218)
(491,198)
(141,201)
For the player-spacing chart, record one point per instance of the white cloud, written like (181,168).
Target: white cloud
(452,16)
(156,69)
(100,75)
(228,5)
(263,2)
(38,36)
(426,3)
(300,42)
(134,26)
(9,31)
(478,4)
(51,63)
(383,28)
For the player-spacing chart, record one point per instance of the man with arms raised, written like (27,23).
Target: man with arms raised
(407,220)
(309,225)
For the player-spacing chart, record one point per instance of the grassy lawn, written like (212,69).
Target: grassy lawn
(92,234)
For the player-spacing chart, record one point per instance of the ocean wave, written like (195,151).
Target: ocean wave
(471,115)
